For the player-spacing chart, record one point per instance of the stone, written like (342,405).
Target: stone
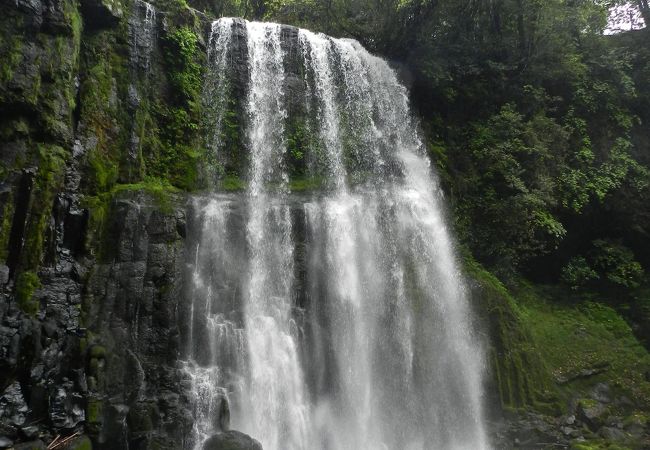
(612,434)
(13,407)
(5,442)
(102,13)
(4,274)
(591,413)
(32,445)
(231,440)
(602,393)
(570,420)
(30,432)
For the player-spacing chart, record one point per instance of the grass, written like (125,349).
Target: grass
(574,338)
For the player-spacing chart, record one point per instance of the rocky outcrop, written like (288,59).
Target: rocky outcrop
(103,13)
(134,385)
(231,440)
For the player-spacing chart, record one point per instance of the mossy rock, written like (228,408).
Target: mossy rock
(521,376)
(26,285)
(98,351)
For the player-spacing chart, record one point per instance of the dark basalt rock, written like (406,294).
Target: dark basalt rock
(32,445)
(231,440)
(102,13)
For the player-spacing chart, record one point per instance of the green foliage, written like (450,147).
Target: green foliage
(577,273)
(608,265)
(26,284)
(174,151)
(509,187)
(616,263)
(181,52)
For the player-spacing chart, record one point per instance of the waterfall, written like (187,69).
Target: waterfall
(335,319)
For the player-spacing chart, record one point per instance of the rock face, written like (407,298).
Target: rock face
(231,440)
(133,382)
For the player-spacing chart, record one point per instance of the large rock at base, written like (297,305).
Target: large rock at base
(231,440)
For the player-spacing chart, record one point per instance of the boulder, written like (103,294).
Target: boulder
(231,440)
(591,413)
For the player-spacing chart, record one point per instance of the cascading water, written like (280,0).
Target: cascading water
(142,32)
(337,319)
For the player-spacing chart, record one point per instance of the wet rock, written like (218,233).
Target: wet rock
(66,406)
(602,393)
(30,432)
(102,13)
(32,445)
(588,372)
(13,408)
(612,434)
(5,442)
(4,274)
(223,421)
(231,440)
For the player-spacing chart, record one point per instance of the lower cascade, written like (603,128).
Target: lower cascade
(328,310)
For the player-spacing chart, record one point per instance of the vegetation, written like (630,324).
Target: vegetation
(26,284)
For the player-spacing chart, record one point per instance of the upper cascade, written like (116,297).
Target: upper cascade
(335,320)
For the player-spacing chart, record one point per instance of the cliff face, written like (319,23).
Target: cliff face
(91,252)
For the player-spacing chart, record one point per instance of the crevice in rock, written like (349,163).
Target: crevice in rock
(16,237)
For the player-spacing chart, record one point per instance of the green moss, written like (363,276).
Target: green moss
(104,172)
(6,217)
(232,183)
(48,181)
(11,55)
(174,151)
(94,410)
(548,346)
(181,56)
(108,123)
(26,285)
(97,351)
(99,207)
(160,189)
(522,377)
(302,184)
(576,337)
